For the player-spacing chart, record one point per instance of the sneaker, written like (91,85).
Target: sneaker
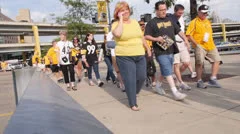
(179,96)
(200,84)
(85,74)
(193,75)
(214,83)
(100,83)
(114,82)
(184,86)
(159,89)
(154,84)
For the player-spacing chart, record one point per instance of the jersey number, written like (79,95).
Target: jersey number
(91,49)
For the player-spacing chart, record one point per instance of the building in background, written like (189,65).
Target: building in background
(7,39)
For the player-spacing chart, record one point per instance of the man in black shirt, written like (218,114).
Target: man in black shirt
(161,30)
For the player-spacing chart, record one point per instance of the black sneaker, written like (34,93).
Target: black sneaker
(85,74)
(100,84)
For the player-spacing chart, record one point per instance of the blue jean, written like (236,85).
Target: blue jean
(108,61)
(95,69)
(166,64)
(133,72)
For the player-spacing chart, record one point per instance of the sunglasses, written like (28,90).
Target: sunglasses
(142,24)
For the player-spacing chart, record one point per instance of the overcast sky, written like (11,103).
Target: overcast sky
(41,9)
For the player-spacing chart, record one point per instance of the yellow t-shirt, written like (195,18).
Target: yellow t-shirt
(130,43)
(46,60)
(52,54)
(197,29)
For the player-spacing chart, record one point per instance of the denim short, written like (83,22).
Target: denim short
(166,64)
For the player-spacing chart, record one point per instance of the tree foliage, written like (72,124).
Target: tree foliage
(77,12)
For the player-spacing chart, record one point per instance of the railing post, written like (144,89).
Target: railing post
(224,32)
(15,87)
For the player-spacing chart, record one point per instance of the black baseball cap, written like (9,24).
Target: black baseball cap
(203,8)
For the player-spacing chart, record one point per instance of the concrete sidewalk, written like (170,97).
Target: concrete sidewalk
(212,110)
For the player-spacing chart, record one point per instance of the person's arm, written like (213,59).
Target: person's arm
(145,45)
(118,30)
(182,35)
(83,52)
(149,32)
(192,40)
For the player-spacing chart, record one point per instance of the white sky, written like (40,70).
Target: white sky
(42,8)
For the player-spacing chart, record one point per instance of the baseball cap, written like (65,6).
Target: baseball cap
(203,8)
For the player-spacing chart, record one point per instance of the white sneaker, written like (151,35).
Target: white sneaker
(179,96)
(184,86)
(159,89)
(193,75)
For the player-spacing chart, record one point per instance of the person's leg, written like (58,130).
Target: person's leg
(215,58)
(110,68)
(72,73)
(107,61)
(97,74)
(79,69)
(141,74)
(65,74)
(200,54)
(166,65)
(127,68)
(89,73)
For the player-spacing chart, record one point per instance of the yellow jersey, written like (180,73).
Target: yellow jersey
(46,60)
(197,29)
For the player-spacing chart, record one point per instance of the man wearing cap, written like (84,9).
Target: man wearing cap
(200,33)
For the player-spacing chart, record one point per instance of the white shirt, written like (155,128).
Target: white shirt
(181,46)
(64,48)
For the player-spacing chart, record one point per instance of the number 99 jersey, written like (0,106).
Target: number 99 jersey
(90,50)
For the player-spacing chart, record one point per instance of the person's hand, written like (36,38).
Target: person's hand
(149,53)
(187,45)
(160,39)
(87,65)
(120,15)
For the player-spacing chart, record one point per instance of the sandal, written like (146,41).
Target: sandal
(68,89)
(135,108)
(74,88)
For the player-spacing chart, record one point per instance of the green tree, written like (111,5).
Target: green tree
(77,11)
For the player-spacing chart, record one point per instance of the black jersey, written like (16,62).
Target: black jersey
(90,50)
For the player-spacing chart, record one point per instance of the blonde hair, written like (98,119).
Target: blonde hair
(119,6)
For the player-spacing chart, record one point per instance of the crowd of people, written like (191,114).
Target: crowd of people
(130,49)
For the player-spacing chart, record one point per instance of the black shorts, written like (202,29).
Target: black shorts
(55,68)
(47,66)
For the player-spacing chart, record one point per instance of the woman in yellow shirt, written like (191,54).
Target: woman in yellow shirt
(129,52)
